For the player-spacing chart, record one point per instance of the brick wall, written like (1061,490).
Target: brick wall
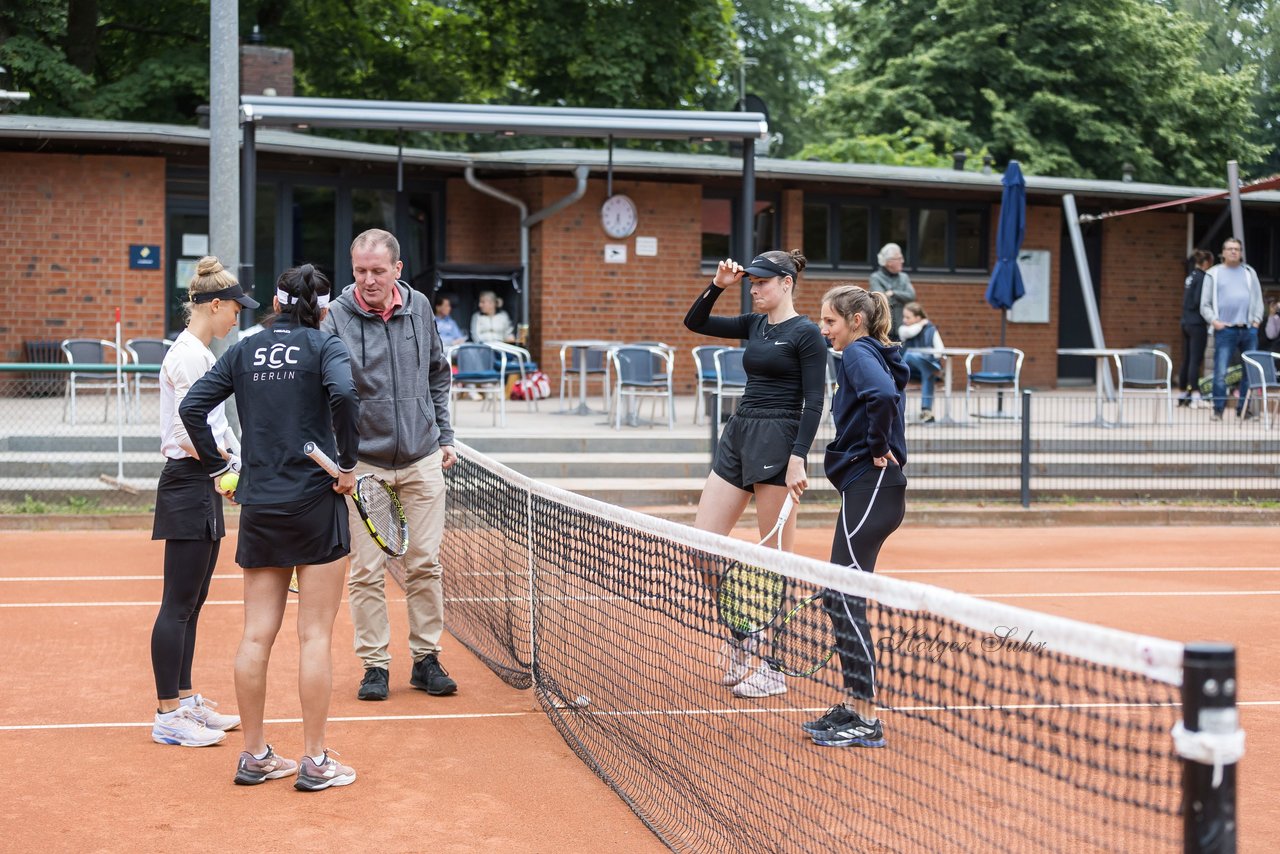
(64,247)
(263,68)
(1143,270)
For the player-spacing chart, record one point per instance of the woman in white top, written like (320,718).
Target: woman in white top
(491,323)
(188,513)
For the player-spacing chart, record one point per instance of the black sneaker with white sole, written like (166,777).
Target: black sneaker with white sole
(838,715)
(429,676)
(374,684)
(854,733)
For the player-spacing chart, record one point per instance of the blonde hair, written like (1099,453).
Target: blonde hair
(210,276)
(848,300)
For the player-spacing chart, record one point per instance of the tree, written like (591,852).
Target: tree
(1077,89)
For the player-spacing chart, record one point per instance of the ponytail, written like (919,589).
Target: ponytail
(848,300)
(303,292)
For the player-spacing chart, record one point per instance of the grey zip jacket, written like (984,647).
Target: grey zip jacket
(401,376)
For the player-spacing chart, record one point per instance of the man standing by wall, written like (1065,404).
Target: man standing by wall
(403,378)
(1231,303)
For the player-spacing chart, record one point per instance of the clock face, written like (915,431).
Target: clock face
(618,216)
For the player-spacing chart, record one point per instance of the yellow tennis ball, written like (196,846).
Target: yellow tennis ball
(230,481)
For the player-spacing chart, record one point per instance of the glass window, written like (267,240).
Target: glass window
(970,245)
(931,237)
(373,209)
(895,227)
(314,227)
(816,234)
(855,236)
(766,227)
(717,229)
(1257,249)
(415,244)
(183,266)
(264,249)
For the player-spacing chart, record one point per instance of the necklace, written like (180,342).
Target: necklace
(769,330)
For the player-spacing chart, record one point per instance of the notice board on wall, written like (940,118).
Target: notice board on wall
(1034,307)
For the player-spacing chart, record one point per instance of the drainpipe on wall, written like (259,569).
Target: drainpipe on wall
(527,221)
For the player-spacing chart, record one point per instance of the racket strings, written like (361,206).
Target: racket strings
(383,513)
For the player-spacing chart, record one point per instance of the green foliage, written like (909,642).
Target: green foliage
(31,506)
(1075,89)
(896,149)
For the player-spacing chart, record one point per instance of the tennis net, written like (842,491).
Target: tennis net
(1006,730)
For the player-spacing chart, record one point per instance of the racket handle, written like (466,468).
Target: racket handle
(321,458)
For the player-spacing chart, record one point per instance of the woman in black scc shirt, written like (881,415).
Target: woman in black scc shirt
(763,448)
(864,462)
(293,385)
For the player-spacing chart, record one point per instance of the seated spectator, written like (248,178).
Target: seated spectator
(450,334)
(918,333)
(491,324)
(1269,329)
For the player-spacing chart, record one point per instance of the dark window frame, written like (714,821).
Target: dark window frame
(735,203)
(834,203)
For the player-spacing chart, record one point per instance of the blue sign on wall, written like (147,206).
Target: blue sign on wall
(142,257)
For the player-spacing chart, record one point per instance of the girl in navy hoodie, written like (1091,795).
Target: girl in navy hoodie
(865,463)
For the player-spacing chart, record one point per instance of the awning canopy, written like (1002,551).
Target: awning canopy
(502,120)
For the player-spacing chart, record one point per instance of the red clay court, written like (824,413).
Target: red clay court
(486,769)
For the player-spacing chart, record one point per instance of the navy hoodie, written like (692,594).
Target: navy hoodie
(868,410)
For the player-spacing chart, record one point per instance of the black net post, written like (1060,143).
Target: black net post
(1209,706)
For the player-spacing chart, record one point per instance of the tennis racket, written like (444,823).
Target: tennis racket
(749,598)
(803,642)
(377,503)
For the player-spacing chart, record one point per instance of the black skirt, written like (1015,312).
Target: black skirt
(298,533)
(187,505)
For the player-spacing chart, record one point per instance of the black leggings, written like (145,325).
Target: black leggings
(1194,340)
(188,569)
(871,509)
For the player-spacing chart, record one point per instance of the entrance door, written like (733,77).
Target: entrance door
(1073,321)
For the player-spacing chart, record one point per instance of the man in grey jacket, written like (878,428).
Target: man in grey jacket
(1231,303)
(403,379)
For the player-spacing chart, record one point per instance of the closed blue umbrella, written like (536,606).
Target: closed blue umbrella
(1005,287)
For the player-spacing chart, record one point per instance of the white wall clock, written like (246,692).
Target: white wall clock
(619,216)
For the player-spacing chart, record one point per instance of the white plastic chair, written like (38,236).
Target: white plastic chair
(94,351)
(999,368)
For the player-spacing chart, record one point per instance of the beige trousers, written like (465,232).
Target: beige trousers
(422,492)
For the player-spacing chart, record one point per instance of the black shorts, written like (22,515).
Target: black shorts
(299,533)
(187,505)
(755,447)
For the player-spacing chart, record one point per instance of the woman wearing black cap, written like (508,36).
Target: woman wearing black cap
(293,385)
(764,446)
(189,513)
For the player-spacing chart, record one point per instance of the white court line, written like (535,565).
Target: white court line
(633,713)
(518,599)
(1076,570)
(1117,593)
(217,577)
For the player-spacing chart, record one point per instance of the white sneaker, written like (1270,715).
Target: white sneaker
(735,660)
(764,681)
(203,711)
(184,730)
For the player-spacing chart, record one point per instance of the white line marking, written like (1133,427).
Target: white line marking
(1118,593)
(55,578)
(1077,570)
(636,712)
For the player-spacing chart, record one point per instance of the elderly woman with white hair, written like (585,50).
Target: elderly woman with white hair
(889,280)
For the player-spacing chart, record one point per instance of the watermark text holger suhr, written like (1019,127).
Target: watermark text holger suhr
(933,645)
